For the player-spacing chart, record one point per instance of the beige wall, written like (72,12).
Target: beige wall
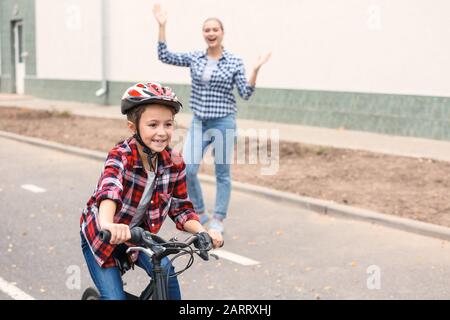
(386,46)
(68,39)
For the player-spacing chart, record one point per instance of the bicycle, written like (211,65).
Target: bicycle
(157,248)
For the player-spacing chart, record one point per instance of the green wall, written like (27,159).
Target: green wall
(404,115)
(10,11)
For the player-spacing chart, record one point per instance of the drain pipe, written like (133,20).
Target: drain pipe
(104,88)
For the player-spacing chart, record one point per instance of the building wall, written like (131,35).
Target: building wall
(382,46)
(68,36)
(375,65)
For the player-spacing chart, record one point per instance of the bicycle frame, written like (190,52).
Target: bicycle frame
(161,290)
(157,288)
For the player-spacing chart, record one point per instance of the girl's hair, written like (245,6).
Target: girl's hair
(215,19)
(134,115)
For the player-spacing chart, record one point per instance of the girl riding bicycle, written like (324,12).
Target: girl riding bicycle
(143,182)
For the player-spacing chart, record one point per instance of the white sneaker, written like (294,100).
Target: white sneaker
(216,224)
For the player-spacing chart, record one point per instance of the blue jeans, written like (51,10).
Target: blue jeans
(109,281)
(221,133)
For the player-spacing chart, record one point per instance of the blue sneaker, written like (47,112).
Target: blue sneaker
(216,224)
(204,218)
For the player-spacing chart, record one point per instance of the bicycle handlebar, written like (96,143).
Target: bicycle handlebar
(157,244)
(136,235)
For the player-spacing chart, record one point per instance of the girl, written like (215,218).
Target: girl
(142,183)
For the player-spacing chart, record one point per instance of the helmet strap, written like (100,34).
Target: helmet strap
(150,154)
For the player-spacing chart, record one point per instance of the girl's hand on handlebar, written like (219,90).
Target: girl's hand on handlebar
(216,237)
(120,233)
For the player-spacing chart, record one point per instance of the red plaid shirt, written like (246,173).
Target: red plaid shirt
(123,180)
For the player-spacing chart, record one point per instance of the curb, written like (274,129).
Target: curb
(97,155)
(316,205)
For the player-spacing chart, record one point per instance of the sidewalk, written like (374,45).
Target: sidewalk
(394,145)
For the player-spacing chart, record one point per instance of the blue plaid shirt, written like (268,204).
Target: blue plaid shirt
(214,99)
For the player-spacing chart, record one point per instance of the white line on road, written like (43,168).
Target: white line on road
(12,291)
(235,258)
(33,188)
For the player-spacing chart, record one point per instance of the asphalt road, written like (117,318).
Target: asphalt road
(299,254)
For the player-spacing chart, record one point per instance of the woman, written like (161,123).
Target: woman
(214,73)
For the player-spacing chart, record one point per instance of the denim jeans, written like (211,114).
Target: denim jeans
(109,281)
(221,133)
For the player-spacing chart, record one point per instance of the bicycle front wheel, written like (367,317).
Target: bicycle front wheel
(90,294)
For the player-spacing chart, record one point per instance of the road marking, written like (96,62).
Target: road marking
(12,291)
(235,258)
(33,188)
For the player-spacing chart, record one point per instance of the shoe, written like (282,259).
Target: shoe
(204,218)
(216,224)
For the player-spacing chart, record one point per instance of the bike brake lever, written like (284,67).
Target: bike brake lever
(157,249)
(214,256)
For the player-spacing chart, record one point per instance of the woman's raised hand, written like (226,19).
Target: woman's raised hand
(160,14)
(262,60)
